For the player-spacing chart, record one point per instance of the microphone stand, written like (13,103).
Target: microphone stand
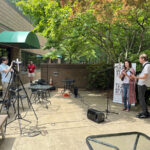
(108,94)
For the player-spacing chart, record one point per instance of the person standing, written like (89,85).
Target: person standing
(5,75)
(128,85)
(31,69)
(143,83)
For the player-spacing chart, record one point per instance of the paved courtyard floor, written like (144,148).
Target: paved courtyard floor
(64,125)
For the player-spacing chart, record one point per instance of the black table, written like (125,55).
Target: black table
(68,84)
(40,92)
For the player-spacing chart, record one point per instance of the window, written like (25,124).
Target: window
(5,52)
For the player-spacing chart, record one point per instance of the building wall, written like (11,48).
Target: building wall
(11,19)
(59,72)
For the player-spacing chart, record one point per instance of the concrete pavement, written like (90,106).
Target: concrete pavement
(64,125)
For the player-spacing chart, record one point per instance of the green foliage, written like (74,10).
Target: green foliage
(106,31)
(64,34)
(52,54)
(100,76)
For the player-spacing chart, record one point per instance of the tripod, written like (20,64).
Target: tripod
(15,78)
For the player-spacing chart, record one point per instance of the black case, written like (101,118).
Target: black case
(95,115)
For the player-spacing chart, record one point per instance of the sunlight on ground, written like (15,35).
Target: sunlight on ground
(64,124)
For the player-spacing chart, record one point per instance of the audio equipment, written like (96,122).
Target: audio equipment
(95,115)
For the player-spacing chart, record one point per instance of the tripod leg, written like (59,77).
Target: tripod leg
(28,98)
(35,97)
(20,126)
(14,107)
(22,104)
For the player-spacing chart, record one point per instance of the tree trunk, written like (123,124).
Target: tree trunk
(141,41)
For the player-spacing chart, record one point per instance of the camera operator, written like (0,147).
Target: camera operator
(5,71)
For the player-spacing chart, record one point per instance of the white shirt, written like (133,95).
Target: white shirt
(146,70)
(126,79)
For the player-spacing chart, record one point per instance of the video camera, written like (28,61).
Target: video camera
(16,63)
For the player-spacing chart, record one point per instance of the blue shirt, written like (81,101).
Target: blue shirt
(3,74)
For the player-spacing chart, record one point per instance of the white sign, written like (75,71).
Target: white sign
(117,95)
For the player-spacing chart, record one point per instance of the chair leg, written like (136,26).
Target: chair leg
(45,95)
(36,97)
(48,93)
(1,107)
(2,132)
(28,102)
(47,99)
(5,126)
(7,109)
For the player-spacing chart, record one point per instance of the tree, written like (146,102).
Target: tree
(129,17)
(109,29)
(55,23)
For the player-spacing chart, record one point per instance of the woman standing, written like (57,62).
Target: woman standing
(128,85)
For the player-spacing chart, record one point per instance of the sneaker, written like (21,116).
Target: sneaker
(127,110)
(139,114)
(143,115)
(124,109)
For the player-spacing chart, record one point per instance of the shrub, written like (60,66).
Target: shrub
(100,76)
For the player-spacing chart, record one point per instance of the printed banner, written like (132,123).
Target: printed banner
(117,94)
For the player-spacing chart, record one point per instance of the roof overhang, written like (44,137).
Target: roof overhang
(19,39)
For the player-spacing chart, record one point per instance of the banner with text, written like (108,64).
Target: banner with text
(117,94)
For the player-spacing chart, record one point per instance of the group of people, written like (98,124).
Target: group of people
(128,77)
(6,70)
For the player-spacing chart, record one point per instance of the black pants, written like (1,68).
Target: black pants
(141,94)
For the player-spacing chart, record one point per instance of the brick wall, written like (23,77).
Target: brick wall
(59,72)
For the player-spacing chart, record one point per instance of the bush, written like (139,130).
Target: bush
(100,76)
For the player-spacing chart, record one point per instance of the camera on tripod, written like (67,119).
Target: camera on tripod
(16,62)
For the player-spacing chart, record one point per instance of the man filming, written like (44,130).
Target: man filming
(5,75)
(143,83)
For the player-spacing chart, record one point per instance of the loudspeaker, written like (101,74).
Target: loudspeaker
(95,115)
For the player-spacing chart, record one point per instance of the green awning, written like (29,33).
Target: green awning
(19,39)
